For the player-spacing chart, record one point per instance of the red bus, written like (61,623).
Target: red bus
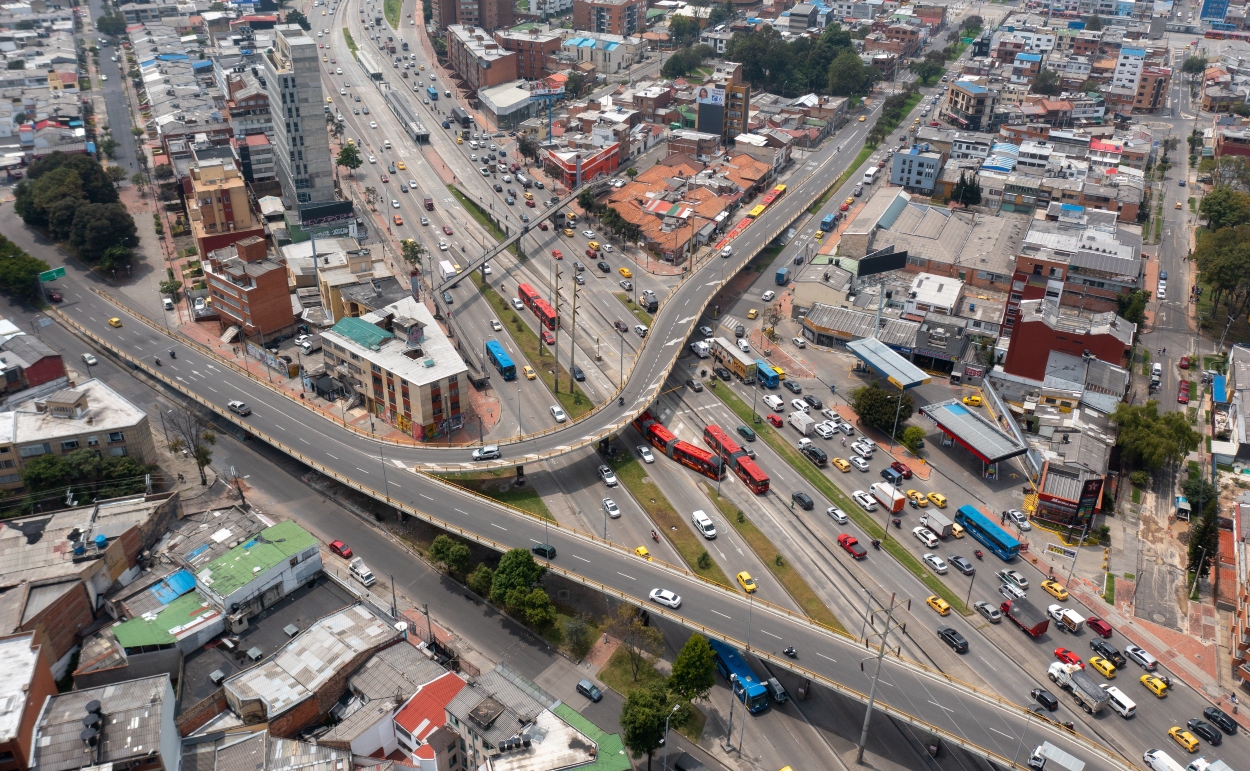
(737,459)
(546,314)
(527,294)
(773,195)
(702,461)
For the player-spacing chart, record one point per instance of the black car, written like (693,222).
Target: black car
(694,385)
(578,375)
(498,188)
(589,690)
(953,639)
(721,373)
(1206,731)
(740,331)
(803,500)
(603,266)
(447,297)
(815,455)
(1045,698)
(544,550)
(812,400)
(1221,719)
(961,564)
(792,386)
(621,326)
(1108,651)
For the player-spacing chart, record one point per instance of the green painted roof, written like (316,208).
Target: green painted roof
(362,332)
(159,629)
(526,27)
(271,546)
(612,755)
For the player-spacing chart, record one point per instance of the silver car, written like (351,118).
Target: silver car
(610,508)
(644,452)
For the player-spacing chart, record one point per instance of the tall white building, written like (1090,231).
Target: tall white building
(297,104)
(1128,68)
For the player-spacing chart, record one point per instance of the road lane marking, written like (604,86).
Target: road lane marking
(770,634)
(463,512)
(939,706)
(214,390)
(305,441)
(823,656)
(1000,733)
(501,527)
(631,578)
(717,612)
(583,559)
(423,495)
(358,468)
(331,456)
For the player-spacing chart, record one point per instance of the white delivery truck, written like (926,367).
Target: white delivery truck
(311,345)
(1048,756)
(446,270)
(802,422)
(938,523)
(701,349)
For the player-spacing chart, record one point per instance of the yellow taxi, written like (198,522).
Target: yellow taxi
(819,234)
(850,200)
(115,322)
(1155,684)
(641,551)
(329,100)
(421,67)
(527,195)
(400,165)
(325,58)
(940,605)
(842,464)
(1183,738)
(937,499)
(459,140)
(861,119)
(530,374)
(957,530)
(1102,666)
(753,313)
(1055,589)
(746,582)
(1178,204)
(973,400)
(918,498)
(568,232)
(351,142)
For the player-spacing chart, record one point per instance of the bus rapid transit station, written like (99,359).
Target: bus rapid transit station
(974,432)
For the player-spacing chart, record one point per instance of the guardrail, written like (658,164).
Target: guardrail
(623,551)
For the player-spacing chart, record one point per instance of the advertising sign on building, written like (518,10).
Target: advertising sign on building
(710,95)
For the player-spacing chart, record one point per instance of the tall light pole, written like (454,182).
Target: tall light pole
(872,694)
(666,719)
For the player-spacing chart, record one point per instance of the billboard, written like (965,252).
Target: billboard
(881,261)
(710,95)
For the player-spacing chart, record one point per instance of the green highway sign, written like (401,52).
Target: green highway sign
(52,275)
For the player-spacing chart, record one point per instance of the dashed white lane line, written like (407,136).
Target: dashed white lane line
(631,578)
(770,634)
(501,527)
(332,456)
(358,468)
(823,656)
(583,559)
(423,495)
(717,612)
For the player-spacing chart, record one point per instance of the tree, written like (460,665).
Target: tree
(579,635)
(116,174)
(720,13)
(878,407)
(192,434)
(19,272)
(172,287)
(926,70)
(1225,207)
(966,192)
(1194,65)
(138,180)
(1204,542)
(1132,306)
(113,24)
(98,227)
(848,75)
(643,718)
(683,31)
(480,580)
(573,86)
(527,146)
(1047,83)
(972,23)
(295,17)
(694,670)
(517,570)
(349,158)
(412,251)
(533,605)
(108,146)
(586,200)
(912,437)
(371,196)
(46,472)
(1200,493)
(163,172)
(1094,23)
(639,641)
(1150,440)
(451,554)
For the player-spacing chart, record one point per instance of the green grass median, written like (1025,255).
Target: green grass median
(633,474)
(351,44)
(826,487)
(500,485)
(780,568)
(536,353)
(634,308)
(391,9)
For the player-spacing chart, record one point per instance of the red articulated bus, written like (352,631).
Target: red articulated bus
(685,453)
(527,294)
(546,314)
(737,459)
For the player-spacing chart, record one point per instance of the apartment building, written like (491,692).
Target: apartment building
(1128,68)
(489,15)
(249,290)
(970,105)
(916,169)
(478,59)
(301,142)
(218,206)
(532,47)
(1152,89)
(612,17)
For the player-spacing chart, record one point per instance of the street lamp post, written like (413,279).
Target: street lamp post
(872,694)
(670,715)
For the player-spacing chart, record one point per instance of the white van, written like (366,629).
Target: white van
(775,403)
(1118,701)
(1156,371)
(703,523)
(1158,760)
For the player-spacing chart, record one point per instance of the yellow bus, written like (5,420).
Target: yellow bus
(757,211)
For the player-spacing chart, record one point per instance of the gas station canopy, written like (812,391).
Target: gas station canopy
(973,431)
(888,363)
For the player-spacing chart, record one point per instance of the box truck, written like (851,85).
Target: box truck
(1024,615)
(1071,677)
(889,496)
(701,349)
(1051,757)
(938,523)
(446,270)
(802,422)
(782,277)
(311,345)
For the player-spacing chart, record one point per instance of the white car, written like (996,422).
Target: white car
(644,452)
(606,247)
(90,360)
(486,271)
(666,598)
(516,303)
(833,417)
(200,304)
(373,124)
(865,501)
(473,157)
(859,463)
(744,346)
(338,70)
(800,406)
(442,246)
(342,92)
(589,234)
(394,203)
(607,475)
(425,220)
(558,413)
(838,515)
(1020,518)
(703,523)
(798,342)
(937,563)
(823,431)
(373,159)
(862,451)
(769,295)
(610,508)
(495,325)
(1012,577)
(925,536)
(640,330)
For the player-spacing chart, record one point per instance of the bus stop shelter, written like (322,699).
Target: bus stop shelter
(888,363)
(974,432)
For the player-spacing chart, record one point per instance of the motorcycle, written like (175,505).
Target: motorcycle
(791,652)
(876,543)
(655,536)
(978,554)
(621,401)
(897,522)
(158,362)
(172,355)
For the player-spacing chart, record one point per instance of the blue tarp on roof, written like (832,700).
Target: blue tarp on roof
(1219,390)
(172,586)
(1028,57)
(173,57)
(1071,207)
(202,65)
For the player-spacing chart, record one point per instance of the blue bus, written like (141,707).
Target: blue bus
(500,358)
(988,533)
(432,92)
(766,374)
(748,688)
(827,223)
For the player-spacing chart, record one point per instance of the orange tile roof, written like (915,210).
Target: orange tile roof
(425,711)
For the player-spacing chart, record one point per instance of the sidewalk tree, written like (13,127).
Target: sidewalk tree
(1225,207)
(113,24)
(527,146)
(972,23)
(643,718)
(349,158)
(912,437)
(517,571)
(694,670)
(412,251)
(192,433)
(116,174)
(1150,440)
(639,641)
(139,180)
(99,227)
(1194,65)
(480,580)
(1204,542)
(451,554)
(172,287)
(848,75)
(878,407)
(579,635)
(926,70)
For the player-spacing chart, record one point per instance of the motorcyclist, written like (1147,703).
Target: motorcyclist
(158,362)
(172,355)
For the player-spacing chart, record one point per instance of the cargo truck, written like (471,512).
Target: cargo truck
(939,524)
(429,203)
(700,348)
(802,422)
(1202,764)
(889,497)
(827,223)
(446,270)
(650,303)
(734,360)
(783,276)
(1051,757)
(1024,615)
(1072,677)
(311,345)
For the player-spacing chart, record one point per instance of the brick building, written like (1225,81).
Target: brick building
(490,15)
(532,48)
(612,17)
(249,290)
(25,683)
(1043,326)
(478,59)
(1152,89)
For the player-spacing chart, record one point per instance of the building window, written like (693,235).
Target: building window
(118,452)
(33,450)
(117,436)
(69,444)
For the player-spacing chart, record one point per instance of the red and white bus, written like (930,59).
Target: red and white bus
(546,314)
(528,295)
(685,453)
(737,459)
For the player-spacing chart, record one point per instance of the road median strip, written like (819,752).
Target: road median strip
(827,488)
(634,308)
(491,483)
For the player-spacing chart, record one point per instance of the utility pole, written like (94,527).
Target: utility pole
(872,694)
(573,340)
(555,353)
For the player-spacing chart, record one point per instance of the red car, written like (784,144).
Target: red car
(341,549)
(1184,362)
(591,253)
(447,229)
(542,225)
(844,207)
(902,469)
(398,220)
(529,202)
(557,254)
(548,338)
(1100,627)
(385,178)
(851,544)
(1068,657)
(55,296)
(776,421)
(1182,397)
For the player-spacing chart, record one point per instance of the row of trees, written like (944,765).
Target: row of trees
(828,64)
(74,200)
(19,272)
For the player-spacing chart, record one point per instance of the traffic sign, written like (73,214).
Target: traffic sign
(52,275)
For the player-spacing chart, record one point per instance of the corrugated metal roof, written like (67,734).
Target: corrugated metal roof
(973,431)
(132,724)
(889,364)
(271,546)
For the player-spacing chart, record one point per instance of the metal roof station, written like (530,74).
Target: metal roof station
(887,363)
(972,430)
